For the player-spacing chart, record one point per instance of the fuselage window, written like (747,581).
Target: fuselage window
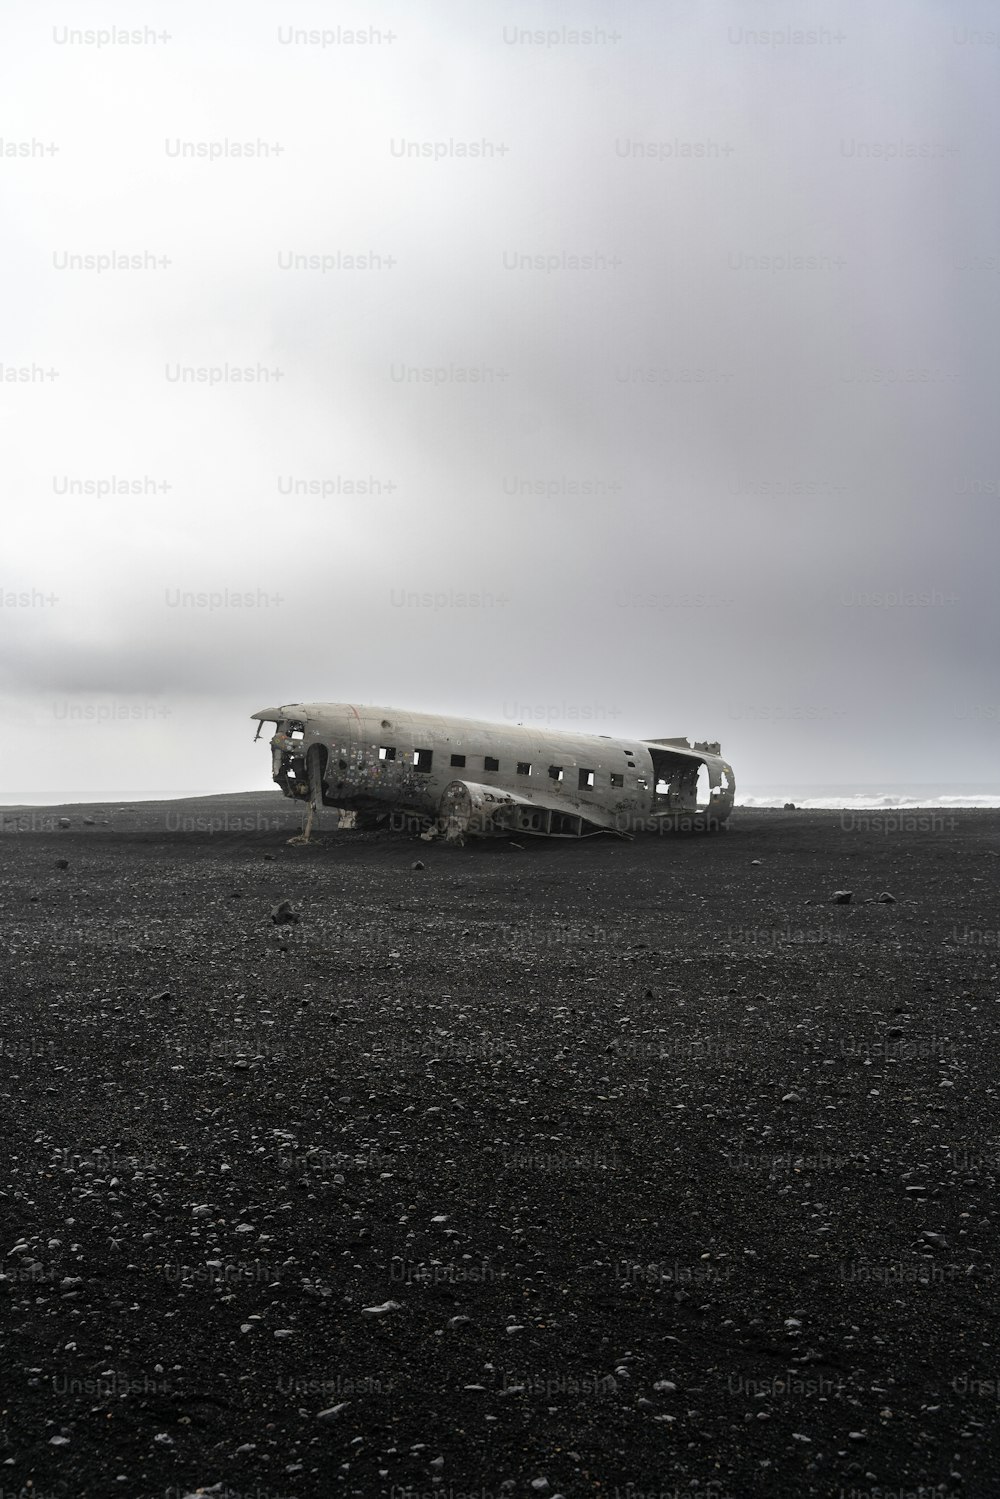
(422,759)
(586,779)
(458,760)
(387,752)
(489,763)
(523,768)
(555,772)
(617,780)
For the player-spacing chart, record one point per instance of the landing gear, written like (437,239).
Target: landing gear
(314,771)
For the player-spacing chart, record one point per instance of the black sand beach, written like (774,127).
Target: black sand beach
(582,1168)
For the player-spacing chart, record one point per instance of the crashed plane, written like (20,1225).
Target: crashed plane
(458,777)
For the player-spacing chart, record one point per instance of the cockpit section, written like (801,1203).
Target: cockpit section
(288,764)
(288,751)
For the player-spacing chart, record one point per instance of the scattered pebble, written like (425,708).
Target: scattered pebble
(283,914)
(332,1411)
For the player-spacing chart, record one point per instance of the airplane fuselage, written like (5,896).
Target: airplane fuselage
(472,777)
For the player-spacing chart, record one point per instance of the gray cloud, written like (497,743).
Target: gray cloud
(686,375)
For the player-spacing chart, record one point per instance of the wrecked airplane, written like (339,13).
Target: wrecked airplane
(458,777)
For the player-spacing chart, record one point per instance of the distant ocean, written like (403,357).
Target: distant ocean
(864,797)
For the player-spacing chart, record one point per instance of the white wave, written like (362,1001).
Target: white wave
(867,803)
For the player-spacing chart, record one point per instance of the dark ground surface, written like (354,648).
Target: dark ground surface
(680,1176)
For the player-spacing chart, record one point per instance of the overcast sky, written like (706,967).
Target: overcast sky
(669,364)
